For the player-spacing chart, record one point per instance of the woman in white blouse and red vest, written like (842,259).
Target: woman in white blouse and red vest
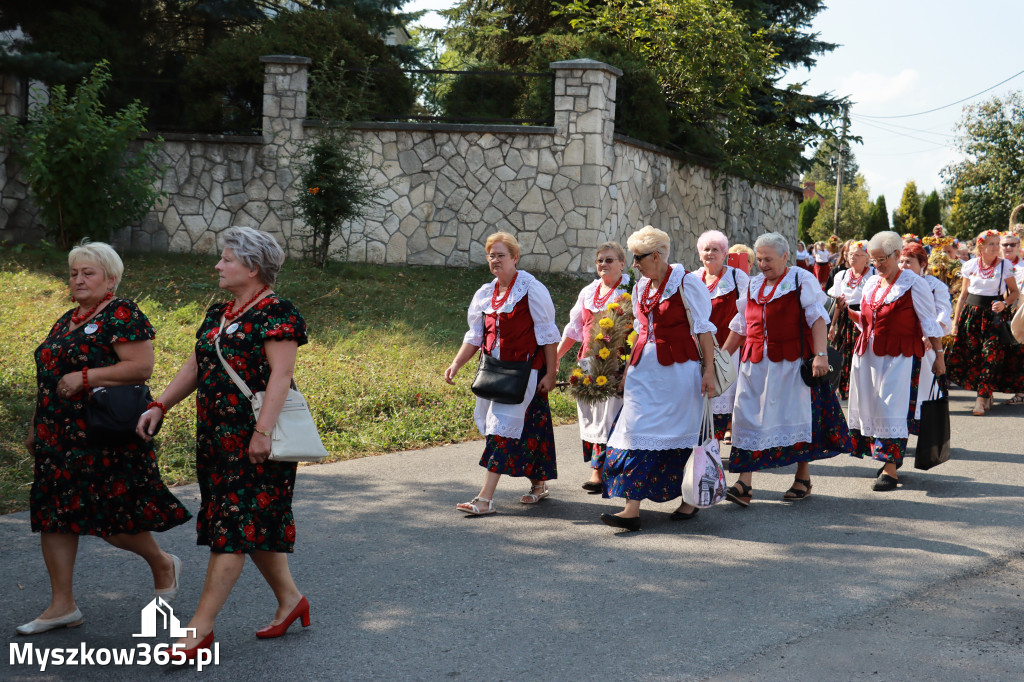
(512,318)
(662,404)
(724,284)
(897,312)
(595,419)
(977,359)
(778,419)
(847,290)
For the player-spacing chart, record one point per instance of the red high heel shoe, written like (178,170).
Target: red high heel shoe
(191,653)
(301,609)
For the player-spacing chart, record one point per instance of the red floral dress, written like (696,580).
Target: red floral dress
(82,489)
(245,507)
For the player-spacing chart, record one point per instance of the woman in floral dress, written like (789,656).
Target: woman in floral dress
(512,318)
(112,491)
(595,420)
(778,420)
(246,506)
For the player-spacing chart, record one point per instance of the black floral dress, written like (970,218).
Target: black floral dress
(245,507)
(79,488)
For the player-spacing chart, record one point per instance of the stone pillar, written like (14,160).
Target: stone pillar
(13,96)
(285,86)
(585,124)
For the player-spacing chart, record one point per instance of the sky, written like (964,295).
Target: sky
(900,57)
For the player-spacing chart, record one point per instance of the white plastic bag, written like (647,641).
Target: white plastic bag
(704,477)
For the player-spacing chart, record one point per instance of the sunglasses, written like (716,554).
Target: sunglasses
(606,261)
(640,256)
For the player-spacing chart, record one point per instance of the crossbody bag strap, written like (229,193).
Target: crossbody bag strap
(239,382)
(689,317)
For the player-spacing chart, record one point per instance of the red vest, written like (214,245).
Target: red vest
(723,309)
(671,331)
(780,322)
(586,320)
(517,341)
(894,326)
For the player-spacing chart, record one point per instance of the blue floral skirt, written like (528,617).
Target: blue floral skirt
(882,449)
(594,453)
(830,436)
(532,454)
(655,475)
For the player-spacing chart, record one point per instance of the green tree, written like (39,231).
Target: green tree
(989,180)
(907,218)
(824,165)
(878,218)
(853,216)
(87,174)
(931,211)
(807,212)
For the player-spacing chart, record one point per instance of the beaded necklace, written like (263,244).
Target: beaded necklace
(647,302)
(228,312)
(80,318)
(714,285)
(986,273)
(875,303)
(600,301)
(761,298)
(497,303)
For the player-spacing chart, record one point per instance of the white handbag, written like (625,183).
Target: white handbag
(725,371)
(703,476)
(294,438)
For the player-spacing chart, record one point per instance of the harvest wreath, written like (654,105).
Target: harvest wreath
(597,377)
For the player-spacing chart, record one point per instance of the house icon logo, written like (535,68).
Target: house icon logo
(159,611)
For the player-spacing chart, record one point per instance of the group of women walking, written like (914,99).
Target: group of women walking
(113,490)
(888,321)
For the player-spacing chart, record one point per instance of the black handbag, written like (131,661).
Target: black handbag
(112,413)
(835,362)
(501,381)
(933,437)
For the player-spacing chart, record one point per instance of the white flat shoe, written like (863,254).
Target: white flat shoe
(72,620)
(169,593)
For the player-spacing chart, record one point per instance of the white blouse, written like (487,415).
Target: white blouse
(542,309)
(924,300)
(802,257)
(698,300)
(943,304)
(731,280)
(822,256)
(986,286)
(812,298)
(841,286)
(574,329)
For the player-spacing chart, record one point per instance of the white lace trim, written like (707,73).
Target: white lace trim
(505,429)
(787,285)
(881,427)
(638,442)
(588,293)
(674,279)
(903,284)
(519,290)
(727,283)
(780,436)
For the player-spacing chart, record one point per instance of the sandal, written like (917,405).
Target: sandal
(537,493)
(1016,400)
(740,497)
(979,408)
(793,494)
(472,509)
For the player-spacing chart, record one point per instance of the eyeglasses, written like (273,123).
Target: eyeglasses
(879,261)
(1010,245)
(637,257)
(606,261)
(497,256)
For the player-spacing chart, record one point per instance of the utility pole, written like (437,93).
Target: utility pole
(839,172)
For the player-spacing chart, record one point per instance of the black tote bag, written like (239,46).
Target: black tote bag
(933,439)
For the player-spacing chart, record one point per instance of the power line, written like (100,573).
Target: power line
(896,132)
(951,104)
(913,130)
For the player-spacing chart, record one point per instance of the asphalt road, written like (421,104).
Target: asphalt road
(923,583)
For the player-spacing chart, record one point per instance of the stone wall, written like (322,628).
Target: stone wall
(562,190)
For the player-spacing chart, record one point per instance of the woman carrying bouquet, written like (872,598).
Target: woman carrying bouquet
(595,418)
(661,412)
(512,318)
(724,284)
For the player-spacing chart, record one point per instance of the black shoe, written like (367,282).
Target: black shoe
(680,516)
(881,469)
(885,482)
(592,487)
(619,522)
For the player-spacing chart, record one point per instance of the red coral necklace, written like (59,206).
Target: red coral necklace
(647,302)
(761,298)
(600,301)
(229,313)
(80,318)
(986,273)
(854,281)
(714,285)
(876,302)
(497,303)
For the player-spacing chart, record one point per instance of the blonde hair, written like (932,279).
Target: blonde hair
(100,254)
(504,238)
(612,246)
(743,248)
(648,239)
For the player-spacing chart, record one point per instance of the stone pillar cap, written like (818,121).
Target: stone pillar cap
(585,64)
(285,59)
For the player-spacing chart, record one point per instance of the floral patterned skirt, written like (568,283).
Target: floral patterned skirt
(882,449)
(721,424)
(830,436)
(594,453)
(532,454)
(655,475)
(977,361)
(101,492)
(847,334)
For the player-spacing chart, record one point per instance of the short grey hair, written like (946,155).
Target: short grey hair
(886,242)
(775,241)
(257,250)
(649,239)
(101,254)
